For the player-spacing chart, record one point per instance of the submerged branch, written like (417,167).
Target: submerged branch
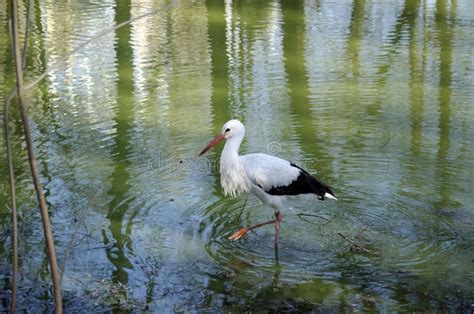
(360,233)
(355,244)
(301,215)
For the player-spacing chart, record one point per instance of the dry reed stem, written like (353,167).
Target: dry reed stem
(48,235)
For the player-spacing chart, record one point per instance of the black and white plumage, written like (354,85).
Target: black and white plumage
(305,183)
(270,178)
(274,180)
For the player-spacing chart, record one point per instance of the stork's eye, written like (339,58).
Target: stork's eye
(227,130)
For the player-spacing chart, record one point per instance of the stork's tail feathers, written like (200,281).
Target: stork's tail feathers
(329,196)
(322,190)
(311,184)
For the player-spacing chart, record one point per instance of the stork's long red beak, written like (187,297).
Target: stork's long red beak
(216,140)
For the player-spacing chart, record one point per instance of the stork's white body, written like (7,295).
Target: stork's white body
(254,173)
(270,178)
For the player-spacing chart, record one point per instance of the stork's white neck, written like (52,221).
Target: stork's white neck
(231,147)
(233,177)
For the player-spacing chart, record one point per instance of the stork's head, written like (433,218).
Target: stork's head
(232,128)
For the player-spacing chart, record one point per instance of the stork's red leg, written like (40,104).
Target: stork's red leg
(277,230)
(240,233)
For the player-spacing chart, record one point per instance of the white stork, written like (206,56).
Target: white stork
(270,178)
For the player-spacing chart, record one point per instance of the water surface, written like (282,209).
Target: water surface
(374,97)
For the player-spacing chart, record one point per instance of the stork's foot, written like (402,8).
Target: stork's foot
(278,217)
(239,234)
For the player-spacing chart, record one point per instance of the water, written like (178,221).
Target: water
(374,97)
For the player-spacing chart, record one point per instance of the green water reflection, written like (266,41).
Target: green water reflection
(374,97)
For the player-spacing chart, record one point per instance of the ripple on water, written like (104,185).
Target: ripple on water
(405,236)
(128,127)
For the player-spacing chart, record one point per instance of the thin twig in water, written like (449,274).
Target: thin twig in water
(27,32)
(311,215)
(358,236)
(360,233)
(73,236)
(11,176)
(355,244)
(33,162)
